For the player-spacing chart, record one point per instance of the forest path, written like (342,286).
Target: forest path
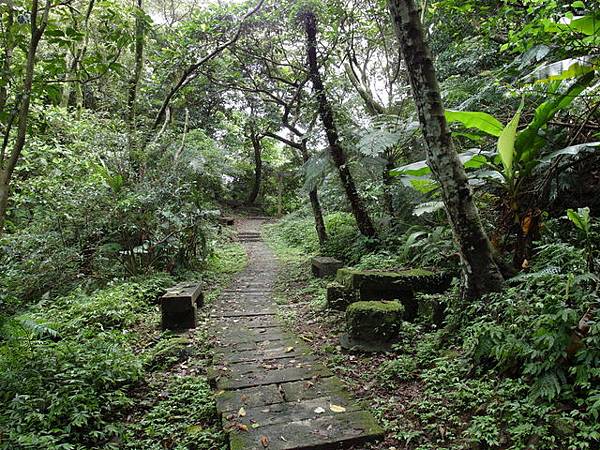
(271,391)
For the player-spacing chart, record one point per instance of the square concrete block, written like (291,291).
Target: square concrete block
(325,266)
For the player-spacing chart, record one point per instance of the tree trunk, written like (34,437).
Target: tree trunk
(315,203)
(8,51)
(139,62)
(480,272)
(365,225)
(257,167)
(7,167)
(71,64)
(4,189)
(387,186)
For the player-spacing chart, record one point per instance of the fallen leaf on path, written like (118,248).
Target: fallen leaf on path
(264,440)
(319,410)
(289,349)
(337,409)
(242,412)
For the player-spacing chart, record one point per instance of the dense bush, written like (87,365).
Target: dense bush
(84,213)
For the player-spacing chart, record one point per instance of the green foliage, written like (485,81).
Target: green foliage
(344,240)
(63,385)
(179,418)
(401,368)
(167,352)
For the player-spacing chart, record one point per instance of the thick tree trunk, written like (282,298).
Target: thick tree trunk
(480,272)
(365,225)
(315,203)
(257,167)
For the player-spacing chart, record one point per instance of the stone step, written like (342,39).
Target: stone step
(294,391)
(239,369)
(276,413)
(244,313)
(274,352)
(239,335)
(260,377)
(249,322)
(323,433)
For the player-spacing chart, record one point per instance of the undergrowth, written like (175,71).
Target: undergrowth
(507,372)
(92,370)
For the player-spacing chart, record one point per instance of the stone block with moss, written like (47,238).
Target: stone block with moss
(401,285)
(378,321)
(339,297)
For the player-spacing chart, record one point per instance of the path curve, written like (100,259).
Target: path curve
(271,390)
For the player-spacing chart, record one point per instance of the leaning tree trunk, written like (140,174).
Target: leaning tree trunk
(257,167)
(480,272)
(315,203)
(365,225)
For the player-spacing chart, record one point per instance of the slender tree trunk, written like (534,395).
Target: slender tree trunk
(7,167)
(387,186)
(71,64)
(315,203)
(4,191)
(186,123)
(257,167)
(279,194)
(139,63)
(480,272)
(365,225)
(8,51)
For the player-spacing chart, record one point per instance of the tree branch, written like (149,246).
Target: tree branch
(189,73)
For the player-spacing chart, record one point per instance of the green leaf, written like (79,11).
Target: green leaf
(428,207)
(476,119)
(571,150)
(506,141)
(564,69)
(416,169)
(528,141)
(578,4)
(581,218)
(588,25)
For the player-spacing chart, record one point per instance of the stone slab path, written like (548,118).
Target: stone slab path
(271,391)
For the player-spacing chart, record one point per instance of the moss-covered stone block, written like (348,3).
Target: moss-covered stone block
(401,285)
(377,321)
(339,297)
